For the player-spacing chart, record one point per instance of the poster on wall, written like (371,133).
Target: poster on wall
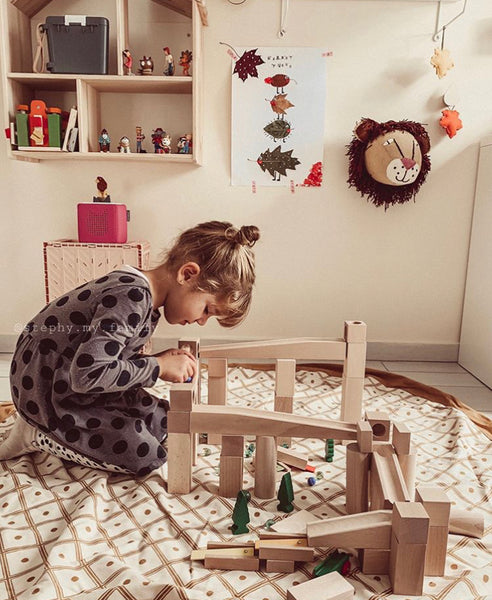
(278,115)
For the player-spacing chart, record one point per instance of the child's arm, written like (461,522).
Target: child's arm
(98,366)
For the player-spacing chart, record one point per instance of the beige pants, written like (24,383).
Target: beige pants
(20,440)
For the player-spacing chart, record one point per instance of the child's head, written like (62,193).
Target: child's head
(227,264)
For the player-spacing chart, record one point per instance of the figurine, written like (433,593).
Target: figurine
(146,65)
(285,494)
(166,143)
(240,514)
(185,61)
(102,187)
(140,139)
(127,62)
(169,68)
(104,141)
(185,144)
(158,136)
(124,146)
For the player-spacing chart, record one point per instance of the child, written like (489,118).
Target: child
(77,372)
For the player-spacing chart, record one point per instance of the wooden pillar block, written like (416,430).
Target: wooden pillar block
(438,507)
(410,530)
(230,476)
(364,436)
(352,392)
(265,467)
(217,389)
(401,438)
(357,482)
(374,562)
(355,360)
(179,462)
(355,331)
(327,587)
(285,378)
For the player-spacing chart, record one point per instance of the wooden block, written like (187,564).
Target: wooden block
(232,445)
(285,542)
(352,392)
(295,524)
(464,522)
(298,348)
(364,530)
(437,546)
(401,438)
(327,587)
(385,462)
(265,467)
(217,389)
(380,423)
(179,463)
(284,404)
(410,523)
(364,436)
(181,396)
(406,567)
(232,420)
(355,360)
(292,458)
(436,504)
(193,345)
(178,422)
(285,377)
(230,544)
(217,368)
(357,480)
(408,464)
(227,550)
(265,535)
(231,476)
(280,566)
(285,553)
(374,562)
(232,564)
(355,331)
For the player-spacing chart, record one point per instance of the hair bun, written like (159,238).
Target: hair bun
(248,235)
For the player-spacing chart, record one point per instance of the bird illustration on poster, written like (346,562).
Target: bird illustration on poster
(278,114)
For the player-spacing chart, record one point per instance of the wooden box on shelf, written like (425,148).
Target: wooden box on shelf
(116,102)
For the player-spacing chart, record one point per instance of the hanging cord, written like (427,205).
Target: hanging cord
(283,18)
(39,55)
(442,37)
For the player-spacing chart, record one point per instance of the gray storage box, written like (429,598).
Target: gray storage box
(77,44)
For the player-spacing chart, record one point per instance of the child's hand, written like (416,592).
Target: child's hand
(176,365)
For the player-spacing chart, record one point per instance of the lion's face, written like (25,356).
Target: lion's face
(394,158)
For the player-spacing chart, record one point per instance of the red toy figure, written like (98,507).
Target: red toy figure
(185,61)
(157,139)
(127,62)
(38,124)
(451,122)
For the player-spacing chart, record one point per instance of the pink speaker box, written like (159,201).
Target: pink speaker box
(102,222)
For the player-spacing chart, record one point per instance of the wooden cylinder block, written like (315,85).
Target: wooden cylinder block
(265,465)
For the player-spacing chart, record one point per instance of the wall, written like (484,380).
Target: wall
(326,254)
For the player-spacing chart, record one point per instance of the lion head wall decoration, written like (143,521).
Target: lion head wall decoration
(388,162)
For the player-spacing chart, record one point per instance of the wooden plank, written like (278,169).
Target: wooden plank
(30,7)
(265,535)
(299,460)
(331,586)
(230,544)
(280,552)
(248,421)
(227,550)
(295,524)
(232,563)
(290,542)
(363,530)
(299,348)
(464,522)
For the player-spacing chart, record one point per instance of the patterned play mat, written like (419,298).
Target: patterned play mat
(71,532)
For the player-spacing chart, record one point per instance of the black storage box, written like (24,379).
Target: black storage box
(78,44)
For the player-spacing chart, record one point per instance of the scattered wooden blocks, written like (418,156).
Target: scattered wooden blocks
(292,458)
(327,587)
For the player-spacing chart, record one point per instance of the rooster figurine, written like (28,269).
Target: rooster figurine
(102,186)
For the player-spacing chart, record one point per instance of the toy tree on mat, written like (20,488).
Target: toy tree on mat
(240,514)
(286,494)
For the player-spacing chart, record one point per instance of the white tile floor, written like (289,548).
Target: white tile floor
(448,377)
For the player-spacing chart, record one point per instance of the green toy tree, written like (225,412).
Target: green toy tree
(240,514)
(286,494)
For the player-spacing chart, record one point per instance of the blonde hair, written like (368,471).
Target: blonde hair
(227,264)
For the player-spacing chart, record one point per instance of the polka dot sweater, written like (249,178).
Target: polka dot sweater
(78,376)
